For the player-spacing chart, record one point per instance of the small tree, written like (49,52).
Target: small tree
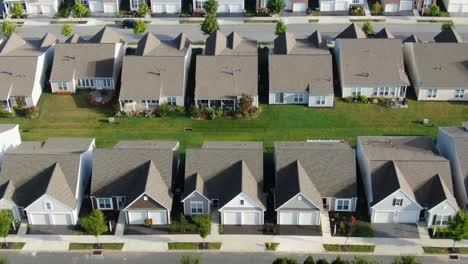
(280,27)
(4,260)
(94,224)
(309,260)
(352,225)
(211,7)
(210,24)
(67,30)
(6,220)
(447,25)
(458,227)
(321,261)
(80,10)
(339,260)
(368,28)
(139,27)
(435,10)
(377,8)
(407,260)
(143,9)
(203,223)
(17,10)
(245,104)
(189,260)
(8,28)
(285,260)
(276,6)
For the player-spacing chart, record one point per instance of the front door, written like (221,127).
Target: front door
(120,202)
(99,84)
(422,214)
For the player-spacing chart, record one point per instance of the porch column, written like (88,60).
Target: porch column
(120,104)
(8,105)
(146,103)
(133,106)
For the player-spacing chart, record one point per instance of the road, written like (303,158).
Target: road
(174,257)
(260,32)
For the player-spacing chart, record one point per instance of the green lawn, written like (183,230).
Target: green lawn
(14,245)
(442,250)
(192,245)
(351,248)
(90,246)
(71,116)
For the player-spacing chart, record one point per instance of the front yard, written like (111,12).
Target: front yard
(443,250)
(349,248)
(194,245)
(72,116)
(91,246)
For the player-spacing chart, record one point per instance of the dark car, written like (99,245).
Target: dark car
(128,23)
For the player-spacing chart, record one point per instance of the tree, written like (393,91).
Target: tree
(435,10)
(4,260)
(458,227)
(79,10)
(321,261)
(8,28)
(67,30)
(285,260)
(309,260)
(17,10)
(407,260)
(377,8)
(203,223)
(276,6)
(210,24)
(245,104)
(189,260)
(447,25)
(139,27)
(368,28)
(6,220)
(211,7)
(143,9)
(280,27)
(94,224)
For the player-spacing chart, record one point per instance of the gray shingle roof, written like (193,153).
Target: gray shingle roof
(233,44)
(353,31)
(385,34)
(448,35)
(411,38)
(56,145)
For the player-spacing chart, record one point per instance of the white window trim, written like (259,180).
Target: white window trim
(459,93)
(343,200)
(398,201)
(197,203)
(172,100)
(441,220)
(48,203)
(104,208)
(320,100)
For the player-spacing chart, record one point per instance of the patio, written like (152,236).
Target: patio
(395,230)
(100,97)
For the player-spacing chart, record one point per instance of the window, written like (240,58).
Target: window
(299,97)
(376,91)
(356,91)
(242,202)
(62,86)
(279,98)
(104,203)
(320,100)
(84,2)
(342,204)
(171,100)
(393,91)
(441,220)
(91,82)
(427,3)
(397,202)
(199,4)
(135,4)
(196,207)
(107,83)
(127,101)
(459,93)
(356,2)
(48,205)
(432,93)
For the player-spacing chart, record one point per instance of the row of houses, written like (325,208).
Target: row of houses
(406,179)
(50,7)
(300,71)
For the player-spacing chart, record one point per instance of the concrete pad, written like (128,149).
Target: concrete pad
(44,245)
(145,246)
(300,244)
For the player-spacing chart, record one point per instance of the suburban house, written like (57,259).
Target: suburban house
(394,6)
(438,70)
(405,180)
(353,31)
(224,6)
(23,67)
(338,5)
(34,7)
(110,7)
(449,35)
(157,73)
(135,178)
(291,5)
(227,70)
(423,4)
(456,6)
(9,138)
(158,6)
(300,71)
(452,143)
(312,177)
(44,182)
(371,67)
(226,177)
(88,64)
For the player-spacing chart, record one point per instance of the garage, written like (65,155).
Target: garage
(158,217)
(341,6)
(172,8)
(110,8)
(389,8)
(236,8)
(48,9)
(308,218)
(251,218)
(384,217)
(62,219)
(96,6)
(299,218)
(223,9)
(232,218)
(157,8)
(326,6)
(288,217)
(458,8)
(407,217)
(136,217)
(40,219)
(406,5)
(299,7)
(34,9)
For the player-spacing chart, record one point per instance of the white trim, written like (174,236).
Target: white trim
(186,197)
(126,208)
(248,198)
(197,203)
(446,200)
(318,207)
(350,200)
(407,196)
(50,198)
(111,203)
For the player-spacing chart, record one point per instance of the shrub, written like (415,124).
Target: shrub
(199,12)
(190,260)
(271,246)
(8,28)
(356,11)
(375,100)
(211,113)
(435,10)
(348,99)
(143,10)
(162,110)
(368,28)
(447,25)
(64,10)
(31,113)
(407,260)
(339,260)
(377,9)
(280,27)
(17,11)
(285,260)
(148,222)
(309,260)
(385,102)
(4,260)
(245,104)
(5,114)
(67,30)
(263,12)
(276,6)
(361,98)
(210,24)
(139,27)
(80,10)
(211,7)
(321,261)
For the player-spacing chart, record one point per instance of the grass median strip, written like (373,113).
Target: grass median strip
(349,248)
(443,250)
(12,245)
(193,245)
(90,246)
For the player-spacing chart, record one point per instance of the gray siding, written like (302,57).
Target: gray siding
(298,204)
(196,197)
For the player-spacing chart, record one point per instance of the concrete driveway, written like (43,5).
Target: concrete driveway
(395,230)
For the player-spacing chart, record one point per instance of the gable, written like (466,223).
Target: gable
(38,205)
(387,203)
(444,208)
(195,196)
(236,202)
(141,203)
(298,202)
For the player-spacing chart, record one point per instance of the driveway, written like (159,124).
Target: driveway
(243,230)
(142,230)
(395,230)
(51,230)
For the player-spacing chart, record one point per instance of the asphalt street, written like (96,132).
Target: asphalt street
(260,32)
(174,258)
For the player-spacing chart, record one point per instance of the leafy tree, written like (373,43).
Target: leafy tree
(188,260)
(447,25)
(4,260)
(210,24)
(211,7)
(435,10)
(17,10)
(94,224)
(339,260)
(368,28)
(280,27)
(6,219)
(143,9)
(80,10)
(377,8)
(285,260)
(309,260)
(203,223)
(321,261)
(458,227)
(407,260)
(276,6)
(67,30)
(8,28)
(139,27)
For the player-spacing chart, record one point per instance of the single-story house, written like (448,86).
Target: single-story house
(102,6)
(438,70)
(34,7)
(23,67)
(338,5)
(9,138)
(371,67)
(227,69)
(405,180)
(224,6)
(352,31)
(452,143)
(226,177)
(88,64)
(456,6)
(157,73)
(313,177)
(149,167)
(300,71)
(44,182)
(158,6)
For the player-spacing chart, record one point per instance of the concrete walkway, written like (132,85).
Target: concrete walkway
(325,221)
(120,226)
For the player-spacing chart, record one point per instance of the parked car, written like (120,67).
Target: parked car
(128,23)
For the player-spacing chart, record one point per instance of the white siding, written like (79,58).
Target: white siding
(227,5)
(409,207)
(38,207)
(328,100)
(444,208)
(8,140)
(443,94)
(235,206)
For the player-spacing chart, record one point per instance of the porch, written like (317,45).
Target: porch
(100,97)
(138,105)
(216,103)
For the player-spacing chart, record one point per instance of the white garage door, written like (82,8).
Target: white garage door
(62,219)
(40,219)
(288,5)
(406,5)
(326,6)
(391,8)
(172,8)
(158,8)
(288,217)
(236,9)
(48,9)
(34,9)
(223,9)
(308,218)
(407,217)
(232,218)
(96,7)
(299,7)
(343,6)
(158,217)
(110,8)
(384,217)
(136,217)
(251,218)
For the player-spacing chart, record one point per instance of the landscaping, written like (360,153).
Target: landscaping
(91,246)
(345,224)
(12,245)
(349,248)
(194,245)
(443,250)
(271,246)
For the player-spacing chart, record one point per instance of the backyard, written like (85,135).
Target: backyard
(72,116)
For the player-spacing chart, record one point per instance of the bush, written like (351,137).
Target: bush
(309,260)
(67,30)
(263,12)
(285,260)
(407,260)
(368,28)
(4,260)
(385,102)
(17,11)
(211,7)
(211,113)
(321,261)
(435,10)
(210,24)
(162,110)
(356,11)
(245,104)
(280,27)
(148,222)
(190,260)
(143,10)
(8,28)
(5,114)
(447,25)
(80,10)
(31,113)
(377,9)
(64,10)
(348,99)
(361,98)
(271,246)
(139,27)
(276,6)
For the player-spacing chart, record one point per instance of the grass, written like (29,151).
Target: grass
(187,21)
(271,246)
(443,250)
(257,21)
(313,20)
(352,20)
(192,245)
(351,248)
(264,43)
(434,20)
(68,22)
(201,42)
(13,245)
(90,246)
